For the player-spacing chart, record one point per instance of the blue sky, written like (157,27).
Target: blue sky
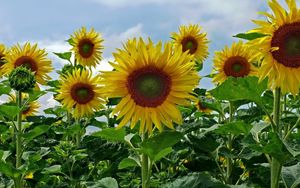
(51,22)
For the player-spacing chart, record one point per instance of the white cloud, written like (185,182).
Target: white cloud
(115,40)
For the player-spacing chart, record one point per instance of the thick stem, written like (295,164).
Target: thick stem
(145,167)
(18,180)
(275,165)
(229,146)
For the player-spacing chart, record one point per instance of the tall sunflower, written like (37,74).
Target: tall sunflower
(30,109)
(236,61)
(3,54)
(280,48)
(191,39)
(80,93)
(31,57)
(87,46)
(151,82)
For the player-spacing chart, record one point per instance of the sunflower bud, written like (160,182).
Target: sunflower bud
(21,79)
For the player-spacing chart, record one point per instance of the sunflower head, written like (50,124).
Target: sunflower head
(236,61)
(29,109)
(191,39)
(80,93)
(30,57)
(202,107)
(3,54)
(21,79)
(87,46)
(151,82)
(280,47)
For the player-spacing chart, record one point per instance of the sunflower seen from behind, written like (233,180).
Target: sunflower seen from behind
(191,39)
(87,46)
(236,61)
(280,47)
(31,57)
(80,93)
(151,81)
(3,54)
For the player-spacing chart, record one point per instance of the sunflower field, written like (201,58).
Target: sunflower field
(147,122)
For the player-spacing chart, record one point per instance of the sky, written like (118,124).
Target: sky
(50,23)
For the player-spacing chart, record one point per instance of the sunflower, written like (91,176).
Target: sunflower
(192,40)
(236,61)
(30,57)
(87,46)
(151,83)
(3,54)
(30,109)
(280,48)
(202,107)
(80,93)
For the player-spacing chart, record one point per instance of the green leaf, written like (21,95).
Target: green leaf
(35,132)
(65,55)
(111,134)
(8,111)
(195,180)
(9,170)
(163,153)
(276,148)
(154,145)
(52,169)
(235,128)
(107,182)
(4,154)
(4,89)
(53,83)
(34,95)
(249,36)
(246,88)
(127,162)
(291,175)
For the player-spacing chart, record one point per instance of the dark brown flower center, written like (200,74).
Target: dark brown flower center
(27,62)
(236,66)
(149,86)
(86,48)
(2,61)
(189,43)
(287,38)
(201,106)
(82,93)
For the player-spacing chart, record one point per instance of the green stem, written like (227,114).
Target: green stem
(229,146)
(276,165)
(145,167)
(78,135)
(18,181)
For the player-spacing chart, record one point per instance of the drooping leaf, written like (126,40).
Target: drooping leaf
(52,169)
(111,134)
(154,145)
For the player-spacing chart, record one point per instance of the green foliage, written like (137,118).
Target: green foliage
(153,146)
(247,88)
(249,36)
(111,134)
(65,55)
